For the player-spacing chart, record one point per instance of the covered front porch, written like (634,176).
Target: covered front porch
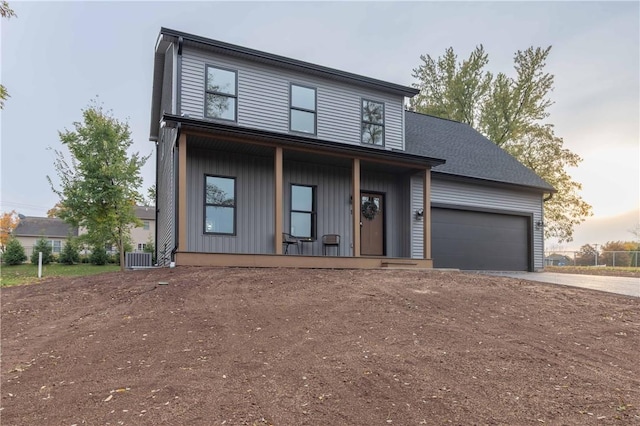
(380,226)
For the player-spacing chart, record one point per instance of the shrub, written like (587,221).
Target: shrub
(150,248)
(43,246)
(99,255)
(70,254)
(14,253)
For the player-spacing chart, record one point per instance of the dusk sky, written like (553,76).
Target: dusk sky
(58,56)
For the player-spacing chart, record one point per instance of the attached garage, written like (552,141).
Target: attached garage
(478,240)
(487,208)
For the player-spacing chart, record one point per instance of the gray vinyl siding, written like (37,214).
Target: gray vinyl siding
(417,226)
(475,196)
(396,212)
(254,202)
(166,195)
(263,99)
(167,82)
(333,194)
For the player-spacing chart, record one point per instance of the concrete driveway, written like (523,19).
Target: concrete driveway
(619,285)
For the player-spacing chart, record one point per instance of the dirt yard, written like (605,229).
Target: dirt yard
(201,346)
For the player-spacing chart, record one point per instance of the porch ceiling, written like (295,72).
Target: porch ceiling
(252,136)
(211,143)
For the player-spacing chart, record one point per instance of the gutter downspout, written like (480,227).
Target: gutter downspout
(547,198)
(176,195)
(179,78)
(155,231)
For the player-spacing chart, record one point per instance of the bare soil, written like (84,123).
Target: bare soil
(316,347)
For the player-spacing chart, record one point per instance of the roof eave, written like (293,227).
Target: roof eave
(156,91)
(494,183)
(293,63)
(294,141)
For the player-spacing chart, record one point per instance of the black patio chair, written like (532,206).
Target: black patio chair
(290,240)
(330,240)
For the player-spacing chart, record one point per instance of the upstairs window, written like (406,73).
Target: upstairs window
(220,205)
(220,98)
(303,109)
(303,211)
(145,225)
(372,122)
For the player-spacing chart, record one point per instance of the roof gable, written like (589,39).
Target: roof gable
(468,153)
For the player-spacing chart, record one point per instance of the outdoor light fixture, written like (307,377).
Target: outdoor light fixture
(539,225)
(419,214)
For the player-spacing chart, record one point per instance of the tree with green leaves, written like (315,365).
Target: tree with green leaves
(512,113)
(14,253)
(150,200)
(70,253)
(150,247)
(5,12)
(98,185)
(586,256)
(42,246)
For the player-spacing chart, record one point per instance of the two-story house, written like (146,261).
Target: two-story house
(142,235)
(256,150)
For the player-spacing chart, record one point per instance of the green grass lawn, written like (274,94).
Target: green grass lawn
(613,271)
(28,273)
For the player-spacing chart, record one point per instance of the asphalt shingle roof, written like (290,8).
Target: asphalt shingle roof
(468,153)
(44,227)
(146,212)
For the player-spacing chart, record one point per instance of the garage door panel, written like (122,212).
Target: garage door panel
(479,241)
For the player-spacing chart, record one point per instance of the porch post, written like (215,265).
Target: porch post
(426,201)
(355,206)
(278,200)
(182,192)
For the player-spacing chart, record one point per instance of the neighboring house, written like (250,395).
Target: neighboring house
(555,259)
(30,229)
(141,235)
(251,145)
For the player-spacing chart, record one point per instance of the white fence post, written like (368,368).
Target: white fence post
(39,264)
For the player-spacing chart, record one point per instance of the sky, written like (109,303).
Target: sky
(58,56)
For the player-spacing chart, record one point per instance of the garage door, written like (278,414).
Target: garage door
(479,241)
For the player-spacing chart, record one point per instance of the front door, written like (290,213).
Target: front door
(371,224)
